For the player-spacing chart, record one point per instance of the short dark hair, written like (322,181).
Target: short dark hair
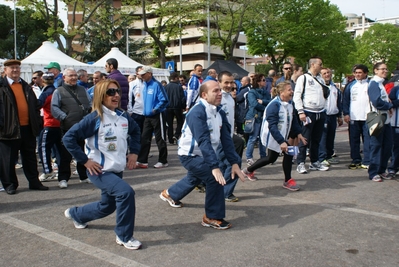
(138,67)
(197,65)
(173,76)
(224,73)
(39,73)
(113,62)
(183,76)
(361,67)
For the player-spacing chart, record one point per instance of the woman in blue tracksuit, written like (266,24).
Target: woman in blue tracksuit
(258,99)
(280,127)
(381,145)
(105,132)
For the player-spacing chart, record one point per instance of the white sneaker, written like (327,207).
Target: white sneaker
(18,166)
(317,166)
(87,181)
(301,168)
(131,244)
(250,162)
(44,177)
(55,167)
(161,165)
(75,172)
(77,225)
(63,184)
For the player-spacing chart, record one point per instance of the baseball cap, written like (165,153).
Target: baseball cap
(11,62)
(144,70)
(54,65)
(48,76)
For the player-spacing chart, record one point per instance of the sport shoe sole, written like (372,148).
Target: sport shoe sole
(77,225)
(129,245)
(215,226)
(171,202)
(291,188)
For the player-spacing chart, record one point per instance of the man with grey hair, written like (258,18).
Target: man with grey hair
(212,74)
(70,103)
(310,101)
(83,78)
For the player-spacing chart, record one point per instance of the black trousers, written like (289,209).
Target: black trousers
(157,125)
(171,114)
(9,152)
(64,166)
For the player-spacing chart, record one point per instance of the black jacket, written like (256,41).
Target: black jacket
(176,97)
(9,121)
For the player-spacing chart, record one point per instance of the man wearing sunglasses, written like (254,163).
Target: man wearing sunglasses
(70,103)
(287,72)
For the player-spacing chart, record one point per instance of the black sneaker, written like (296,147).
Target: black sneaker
(219,224)
(231,198)
(354,166)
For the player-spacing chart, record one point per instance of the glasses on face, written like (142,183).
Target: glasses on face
(287,69)
(234,89)
(384,69)
(113,91)
(263,80)
(72,75)
(34,78)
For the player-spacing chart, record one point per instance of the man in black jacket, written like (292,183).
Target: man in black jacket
(19,126)
(177,103)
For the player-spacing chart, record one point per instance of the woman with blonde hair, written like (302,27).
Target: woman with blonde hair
(279,128)
(105,131)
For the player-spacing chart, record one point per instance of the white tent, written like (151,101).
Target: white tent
(128,66)
(47,53)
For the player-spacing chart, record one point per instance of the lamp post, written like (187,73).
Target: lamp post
(15,31)
(209,35)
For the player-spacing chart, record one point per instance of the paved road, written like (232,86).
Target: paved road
(338,218)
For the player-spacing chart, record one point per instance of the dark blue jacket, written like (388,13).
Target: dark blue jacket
(255,110)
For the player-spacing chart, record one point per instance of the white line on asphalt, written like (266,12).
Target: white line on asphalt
(70,243)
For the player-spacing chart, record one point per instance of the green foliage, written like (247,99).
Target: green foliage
(81,12)
(299,29)
(30,32)
(227,19)
(379,43)
(107,29)
(263,68)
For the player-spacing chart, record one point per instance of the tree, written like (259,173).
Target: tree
(30,32)
(378,43)
(166,17)
(81,12)
(105,30)
(227,18)
(300,29)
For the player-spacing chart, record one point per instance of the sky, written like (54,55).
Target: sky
(374,9)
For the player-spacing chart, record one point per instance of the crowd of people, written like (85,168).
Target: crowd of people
(106,123)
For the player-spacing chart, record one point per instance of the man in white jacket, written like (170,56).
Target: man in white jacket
(310,101)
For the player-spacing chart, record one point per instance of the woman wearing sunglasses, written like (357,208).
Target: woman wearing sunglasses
(105,132)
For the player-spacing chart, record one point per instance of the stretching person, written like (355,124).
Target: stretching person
(280,127)
(205,128)
(105,132)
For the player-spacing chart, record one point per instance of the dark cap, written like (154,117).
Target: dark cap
(11,62)
(48,76)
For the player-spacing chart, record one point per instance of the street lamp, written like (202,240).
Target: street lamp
(15,31)
(209,35)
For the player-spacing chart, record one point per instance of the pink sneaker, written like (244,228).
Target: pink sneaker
(291,185)
(249,175)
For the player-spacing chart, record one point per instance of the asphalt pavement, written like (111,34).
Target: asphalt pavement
(338,218)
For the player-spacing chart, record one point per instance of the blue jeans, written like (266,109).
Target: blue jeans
(251,142)
(117,195)
(326,149)
(394,166)
(380,151)
(225,166)
(198,171)
(356,129)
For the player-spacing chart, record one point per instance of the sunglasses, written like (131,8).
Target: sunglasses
(263,80)
(113,91)
(287,68)
(34,78)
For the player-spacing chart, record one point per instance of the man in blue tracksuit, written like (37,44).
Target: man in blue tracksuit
(206,126)
(155,102)
(394,98)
